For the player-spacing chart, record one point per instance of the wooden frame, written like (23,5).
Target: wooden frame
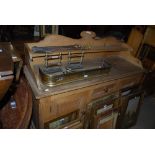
(131,101)
(104,113)
(48,29)
(66,121)
(134,40)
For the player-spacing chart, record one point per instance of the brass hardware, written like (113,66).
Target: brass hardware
(53,57)
(72,55)
(55,73)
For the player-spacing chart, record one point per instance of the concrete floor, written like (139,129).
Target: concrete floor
(146,117)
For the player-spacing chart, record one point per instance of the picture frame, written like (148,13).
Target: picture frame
(131,109)
(48,29)
(63,121)
(103,112)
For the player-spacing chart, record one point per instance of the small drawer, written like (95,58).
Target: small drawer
(130,81)
(104,89)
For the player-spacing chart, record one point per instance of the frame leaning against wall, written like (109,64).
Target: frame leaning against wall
(48,29)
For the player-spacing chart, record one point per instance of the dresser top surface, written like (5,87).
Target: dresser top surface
(120,68)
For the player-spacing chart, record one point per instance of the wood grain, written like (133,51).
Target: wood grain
(54,102)
(135,40)
(20,116)
(6,68)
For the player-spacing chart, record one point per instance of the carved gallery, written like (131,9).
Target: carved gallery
(77,77)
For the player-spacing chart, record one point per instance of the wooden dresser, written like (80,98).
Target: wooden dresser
(94,101)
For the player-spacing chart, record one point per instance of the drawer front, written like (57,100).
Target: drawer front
(130,81)
(105,89)
(59,105)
